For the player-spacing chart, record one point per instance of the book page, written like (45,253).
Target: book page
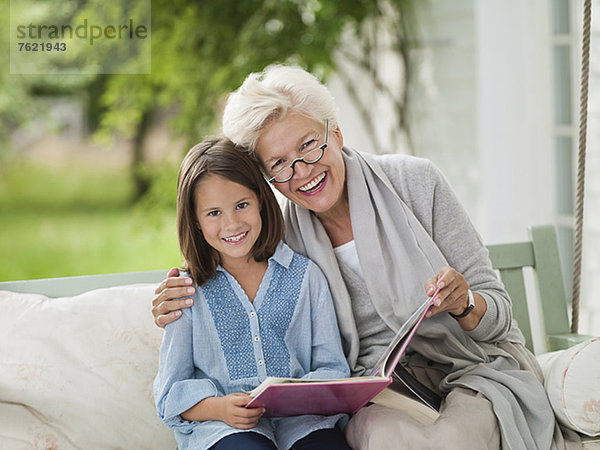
(398,396)
(419,390)
(271,381)
(396,348)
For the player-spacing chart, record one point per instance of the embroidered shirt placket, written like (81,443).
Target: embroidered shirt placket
(257,343)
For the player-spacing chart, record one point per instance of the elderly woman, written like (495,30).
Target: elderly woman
(387,231)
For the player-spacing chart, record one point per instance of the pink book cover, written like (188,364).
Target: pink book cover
(324,397)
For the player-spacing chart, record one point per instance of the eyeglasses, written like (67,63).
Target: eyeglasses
(312,156)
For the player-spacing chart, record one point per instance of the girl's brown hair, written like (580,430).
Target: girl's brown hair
(219,156)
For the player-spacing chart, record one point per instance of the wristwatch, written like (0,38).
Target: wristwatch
(469,307)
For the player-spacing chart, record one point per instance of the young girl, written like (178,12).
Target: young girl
(259,310)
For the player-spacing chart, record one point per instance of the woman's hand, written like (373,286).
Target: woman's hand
(453,297)
(164,308)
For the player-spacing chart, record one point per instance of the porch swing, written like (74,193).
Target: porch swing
(571,368)
(541,252)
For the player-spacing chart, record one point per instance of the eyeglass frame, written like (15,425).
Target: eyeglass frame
(294,161)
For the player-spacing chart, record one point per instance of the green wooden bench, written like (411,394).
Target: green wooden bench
(541,255)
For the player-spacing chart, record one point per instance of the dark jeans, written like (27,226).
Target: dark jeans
(327,439)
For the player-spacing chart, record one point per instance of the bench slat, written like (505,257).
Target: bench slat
(512,255)
(70,286)
(550,281)
(515,286)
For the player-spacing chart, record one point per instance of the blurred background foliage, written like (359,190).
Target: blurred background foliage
(73,217)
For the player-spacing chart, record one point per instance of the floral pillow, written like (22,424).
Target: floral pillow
(77,372)
(572,381)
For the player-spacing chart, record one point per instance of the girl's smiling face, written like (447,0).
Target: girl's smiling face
(228,215)
(317,187)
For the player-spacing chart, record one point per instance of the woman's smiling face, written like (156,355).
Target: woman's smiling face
(317,187)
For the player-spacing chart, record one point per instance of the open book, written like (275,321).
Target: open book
(282,397)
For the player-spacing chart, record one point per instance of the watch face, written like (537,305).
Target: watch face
(471,299)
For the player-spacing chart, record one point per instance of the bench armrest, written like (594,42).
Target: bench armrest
(564,341)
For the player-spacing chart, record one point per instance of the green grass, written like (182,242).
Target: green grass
(78,221)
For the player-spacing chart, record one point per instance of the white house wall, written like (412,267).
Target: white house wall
(484,114)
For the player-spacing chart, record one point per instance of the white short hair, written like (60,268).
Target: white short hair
(271,95)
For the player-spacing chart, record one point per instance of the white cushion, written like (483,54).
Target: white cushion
(572,381)
(77,372)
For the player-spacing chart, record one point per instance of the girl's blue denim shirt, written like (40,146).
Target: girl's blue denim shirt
(225,344)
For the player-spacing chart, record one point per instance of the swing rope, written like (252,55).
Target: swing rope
(583,107)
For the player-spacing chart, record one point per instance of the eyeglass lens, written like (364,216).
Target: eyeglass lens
(311,157)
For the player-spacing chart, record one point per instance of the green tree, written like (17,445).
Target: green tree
(203,50)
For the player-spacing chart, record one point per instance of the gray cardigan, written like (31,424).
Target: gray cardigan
(425,190)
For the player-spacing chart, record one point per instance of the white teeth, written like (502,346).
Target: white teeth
(313,183)
(237,238)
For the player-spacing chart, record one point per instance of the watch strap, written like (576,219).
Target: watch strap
(469,307)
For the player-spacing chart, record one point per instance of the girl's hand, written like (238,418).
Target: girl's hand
(164,308)
(233,413)
(453,297)
(229,409)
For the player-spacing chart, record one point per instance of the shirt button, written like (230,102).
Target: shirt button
(260,362)
(252,314)
(256,339)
